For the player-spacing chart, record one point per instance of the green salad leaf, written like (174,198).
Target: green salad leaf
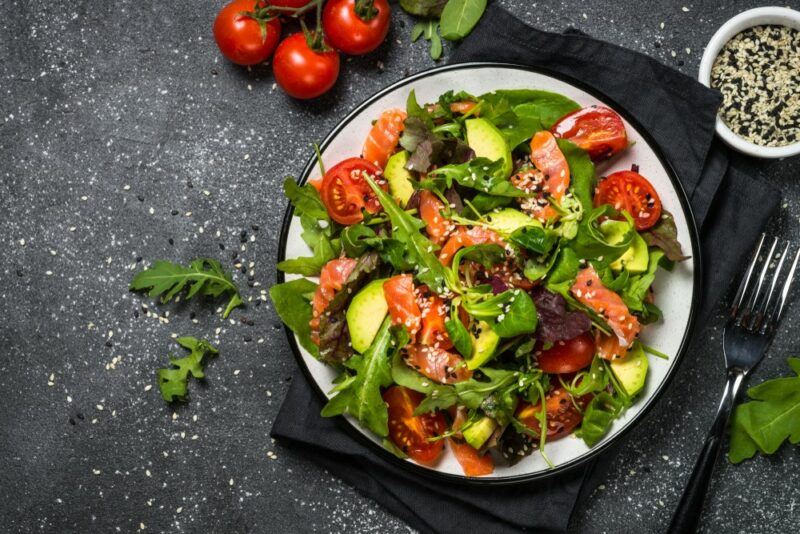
(769,419)
(173,381)
(360,393)
(590,242)
(406,228)
(292,301)
(664,235)
(482,174)
(582,173)
(305,199)
(203,276)
(598,416)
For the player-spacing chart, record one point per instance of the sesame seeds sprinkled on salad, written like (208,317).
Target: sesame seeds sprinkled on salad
(758,73)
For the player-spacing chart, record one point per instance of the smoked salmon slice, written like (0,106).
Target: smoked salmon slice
(384,137)
(591,292)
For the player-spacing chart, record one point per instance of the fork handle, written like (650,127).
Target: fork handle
(690,507)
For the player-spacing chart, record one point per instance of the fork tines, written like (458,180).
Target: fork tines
(757,307)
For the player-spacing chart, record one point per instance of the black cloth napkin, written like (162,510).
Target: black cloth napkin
(679,113)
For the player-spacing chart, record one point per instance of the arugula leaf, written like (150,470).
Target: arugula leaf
(173,381)
(664,235)
(636,289)
(356,239)
(582,173)
(292,301)
(473,392)
(305,199)
(360,394)
(487,254)
(597,419)
(483,203)
(405,228)
(204,276)
(459,17)
(482,174)
(772,417)
(334,338)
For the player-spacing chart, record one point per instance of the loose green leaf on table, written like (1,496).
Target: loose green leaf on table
(204,276)
(173,380)
(769,419)
(459,17)
(423,8)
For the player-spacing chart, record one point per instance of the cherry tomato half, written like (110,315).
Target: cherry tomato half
(302,72)
(596,129)
(567,356)
(562,415)
(411,433)
(630,191)
(353,28)
(240,37)
(345,192)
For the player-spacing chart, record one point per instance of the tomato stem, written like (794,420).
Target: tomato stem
(366,10)
(298,11)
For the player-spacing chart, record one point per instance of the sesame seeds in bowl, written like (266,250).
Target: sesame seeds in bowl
(754,61)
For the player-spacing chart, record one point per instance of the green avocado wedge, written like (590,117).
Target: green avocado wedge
(365,315)
(484,345)
(488,142)
(399,178)
(637,257)
(631,371)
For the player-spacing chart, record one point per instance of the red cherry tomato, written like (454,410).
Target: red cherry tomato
(345,192)
(630,191)
(302,72)
(567,356)
(596,129)
(562,415)
(240,37)
(403,307)
(411,433)
(354,28)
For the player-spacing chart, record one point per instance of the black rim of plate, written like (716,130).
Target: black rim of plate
(598,449)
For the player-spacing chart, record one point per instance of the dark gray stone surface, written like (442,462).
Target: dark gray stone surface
(116,114)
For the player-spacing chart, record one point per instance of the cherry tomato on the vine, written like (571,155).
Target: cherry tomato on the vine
(356,26)
(302,71)
(244,32)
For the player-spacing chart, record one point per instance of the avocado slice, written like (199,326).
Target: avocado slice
(477,433)
(631,371)
(507,220)
(399,178)
(365,315)
(483,345)
(488,142)
(637,257)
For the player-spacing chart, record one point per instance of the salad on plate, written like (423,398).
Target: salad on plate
(476,283)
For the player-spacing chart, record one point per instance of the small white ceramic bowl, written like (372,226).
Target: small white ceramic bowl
(780,16)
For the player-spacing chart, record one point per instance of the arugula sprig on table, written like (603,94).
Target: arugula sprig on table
(203,276)
(173,381)
(769,419)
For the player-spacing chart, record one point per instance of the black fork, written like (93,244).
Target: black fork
(754,316)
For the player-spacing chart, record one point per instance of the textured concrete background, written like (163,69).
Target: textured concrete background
(124,135)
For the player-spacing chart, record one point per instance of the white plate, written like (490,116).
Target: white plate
(676,291)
